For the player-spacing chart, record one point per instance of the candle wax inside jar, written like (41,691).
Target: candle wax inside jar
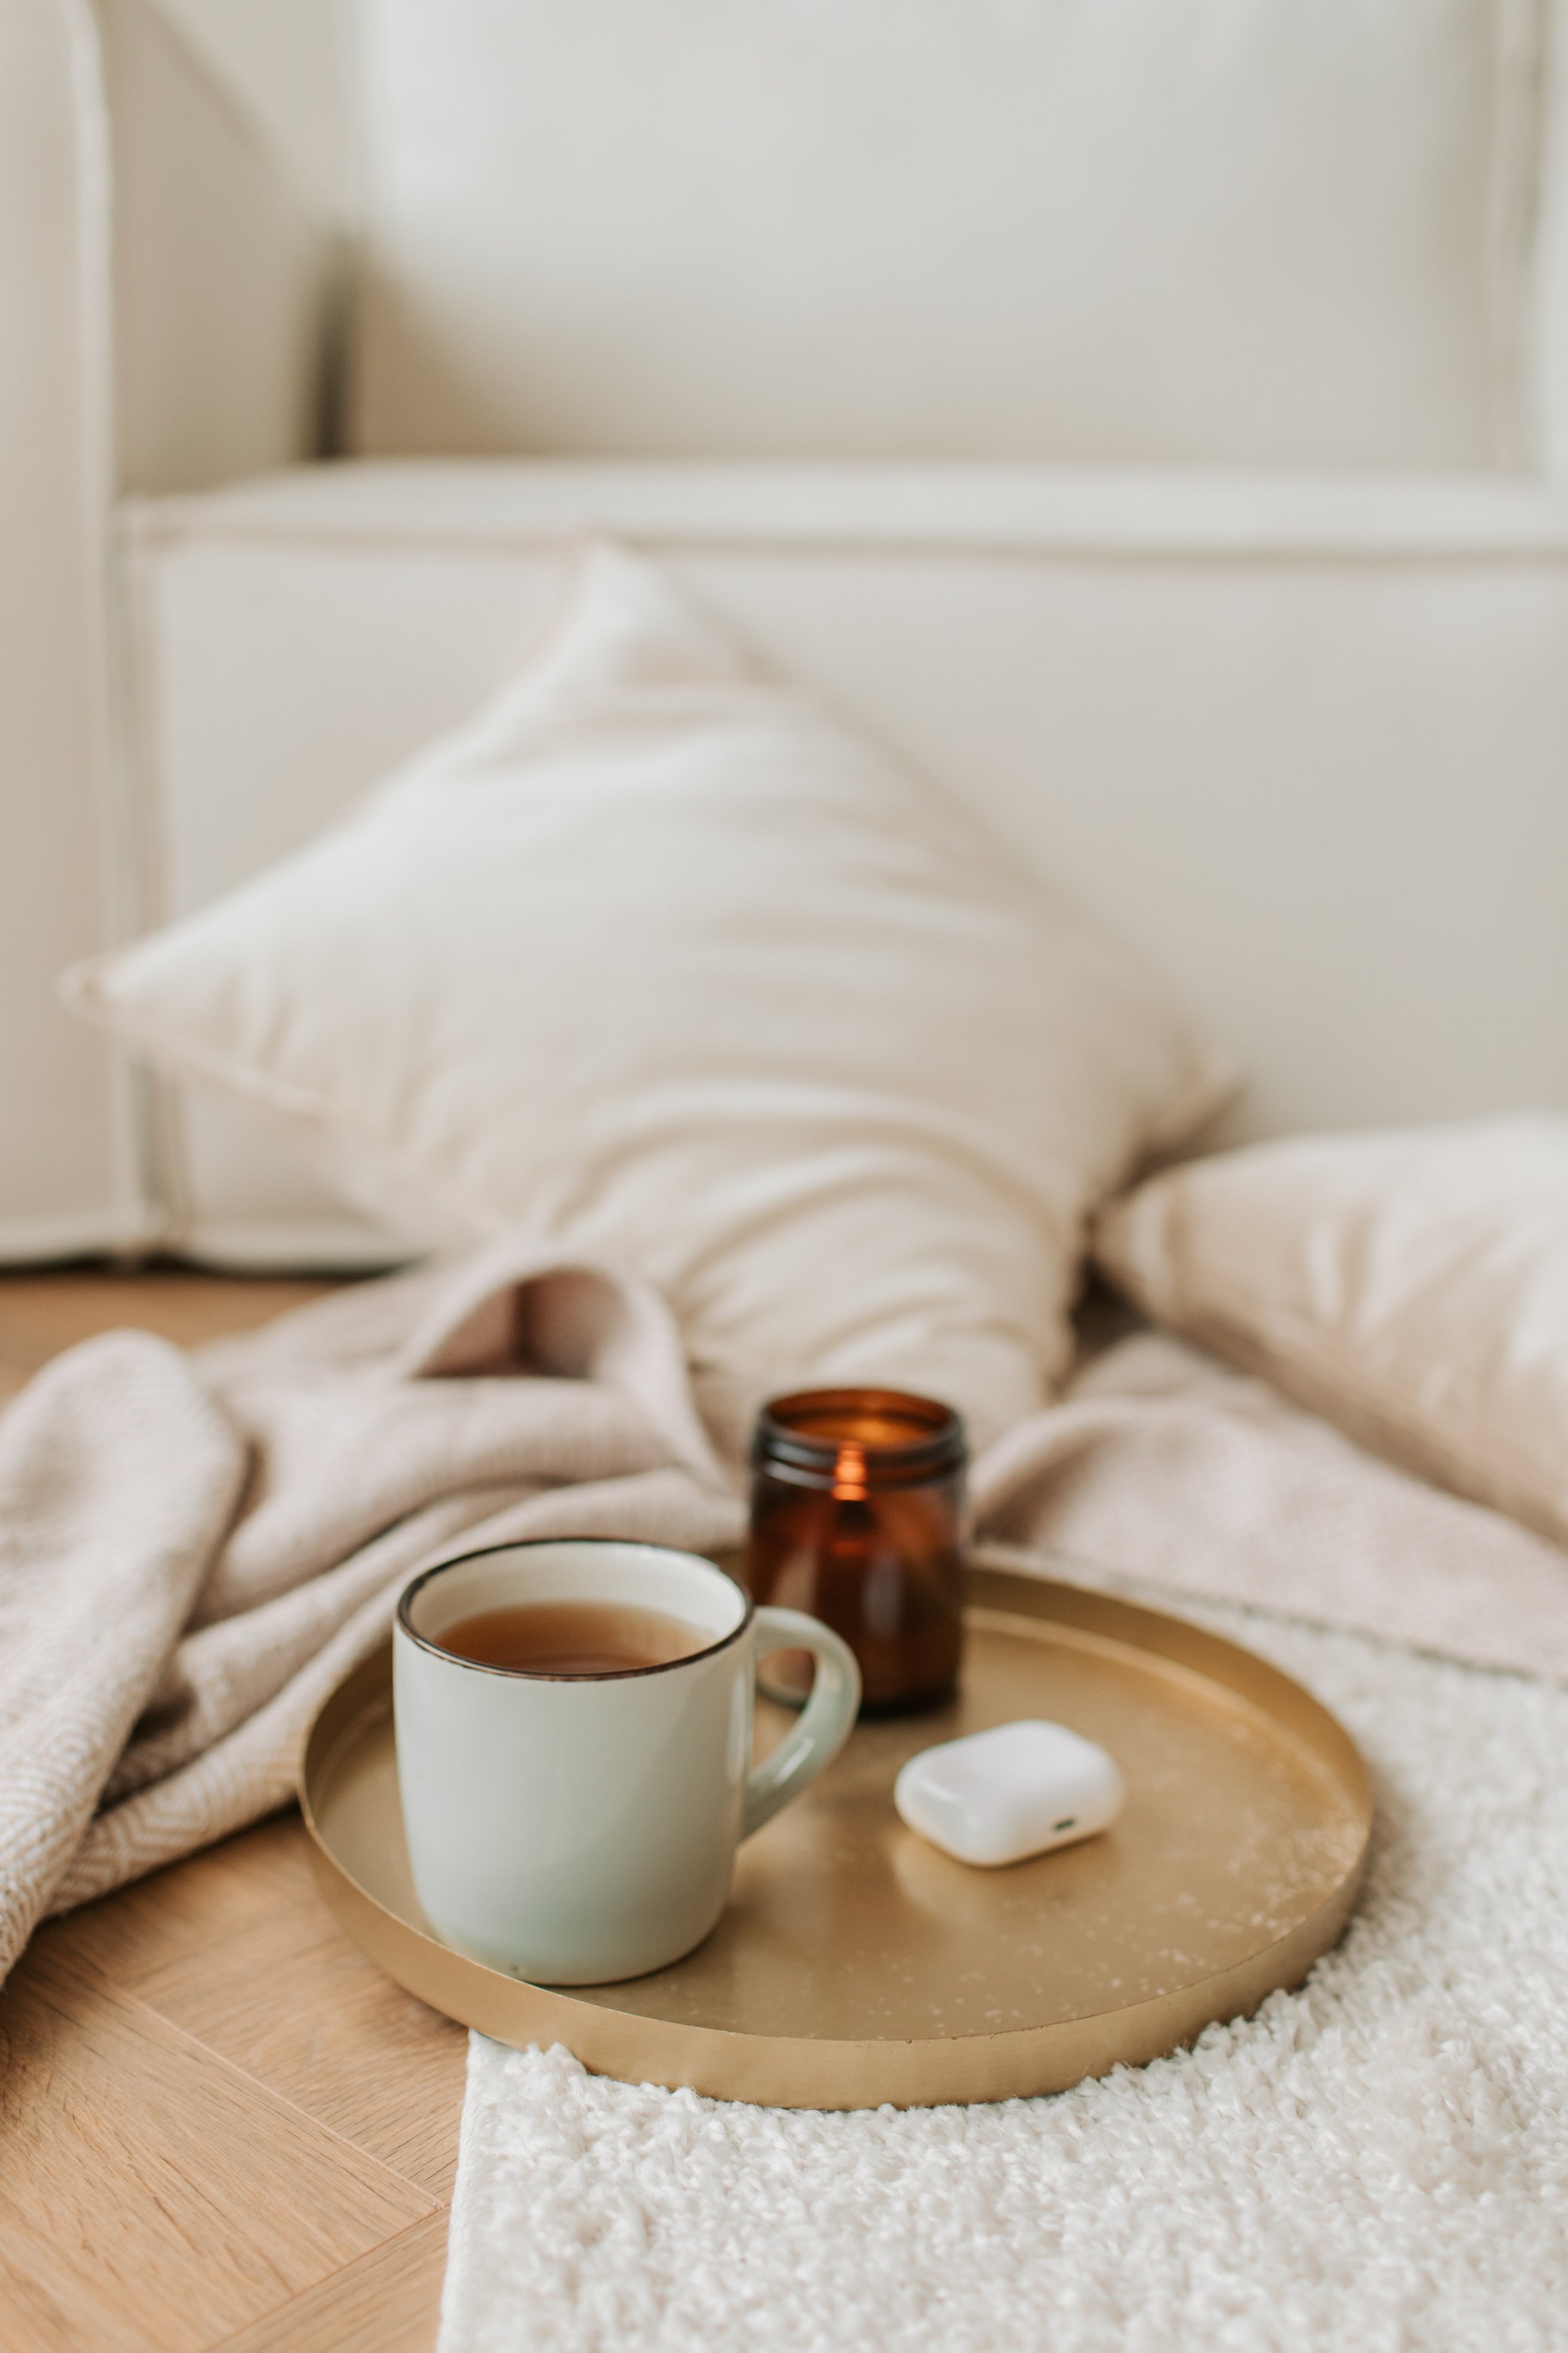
(880,1570)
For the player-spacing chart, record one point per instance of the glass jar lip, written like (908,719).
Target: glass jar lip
(937,1442)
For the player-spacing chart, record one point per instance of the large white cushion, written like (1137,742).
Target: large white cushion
(1302,741)
(658,960)
(1412,1286)
(1236,231)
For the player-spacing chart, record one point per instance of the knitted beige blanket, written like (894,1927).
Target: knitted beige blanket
(195,1549)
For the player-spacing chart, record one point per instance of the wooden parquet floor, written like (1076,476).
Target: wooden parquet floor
(218,2125)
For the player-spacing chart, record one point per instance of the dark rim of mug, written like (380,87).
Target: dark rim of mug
(602,1674)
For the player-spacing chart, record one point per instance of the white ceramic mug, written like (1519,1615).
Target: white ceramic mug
(576,1829)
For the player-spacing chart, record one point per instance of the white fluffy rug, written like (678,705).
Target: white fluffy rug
(1378,2161)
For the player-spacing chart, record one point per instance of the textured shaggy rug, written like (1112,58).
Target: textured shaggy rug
(1379,2160)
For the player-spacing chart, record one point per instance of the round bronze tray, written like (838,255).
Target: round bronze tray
(858,1965)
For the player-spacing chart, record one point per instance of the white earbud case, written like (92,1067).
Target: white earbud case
(1019,1789)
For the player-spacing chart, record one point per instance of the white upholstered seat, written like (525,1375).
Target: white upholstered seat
(1149,420)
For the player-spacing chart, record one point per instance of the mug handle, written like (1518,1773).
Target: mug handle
(825,1722)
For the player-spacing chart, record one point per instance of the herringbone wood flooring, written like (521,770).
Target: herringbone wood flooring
(218,2125)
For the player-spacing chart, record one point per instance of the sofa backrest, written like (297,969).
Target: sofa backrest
(1259,232)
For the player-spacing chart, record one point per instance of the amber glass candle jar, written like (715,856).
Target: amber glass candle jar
(857,1516)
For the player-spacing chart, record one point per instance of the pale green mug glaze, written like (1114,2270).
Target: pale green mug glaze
(575,1830)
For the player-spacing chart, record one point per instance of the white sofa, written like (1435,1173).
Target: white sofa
(1151,420)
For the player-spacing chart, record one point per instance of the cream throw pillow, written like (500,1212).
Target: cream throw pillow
(658,961)
(1411,1287)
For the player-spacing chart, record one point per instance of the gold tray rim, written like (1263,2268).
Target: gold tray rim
(834,2072)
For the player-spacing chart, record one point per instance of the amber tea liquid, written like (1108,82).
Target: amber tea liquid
(572,1638)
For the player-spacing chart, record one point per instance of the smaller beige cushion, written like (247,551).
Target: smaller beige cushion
(1411,1286)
